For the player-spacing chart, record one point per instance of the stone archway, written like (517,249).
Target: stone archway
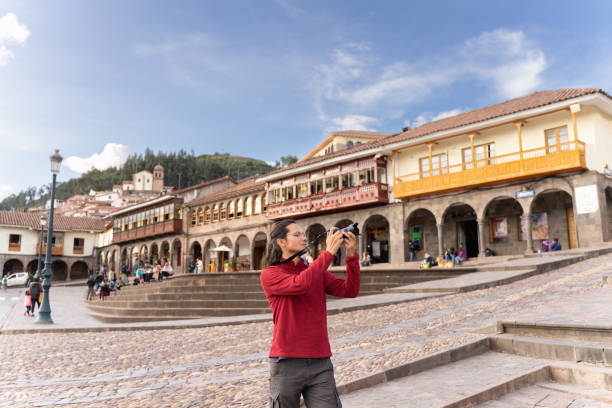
(195,251)
(460,229)
(206,253)
(376,238)
(502,226)
(317,247)
(421,230)
(154,253)
(223,256)
(79,270)
(113,261)
(135,261)
(242,252)
(177,254)
(259,250)
(12,266)
(164,250)
(144,254)
(59,270)
(339,257)
(552,216)
(32,265)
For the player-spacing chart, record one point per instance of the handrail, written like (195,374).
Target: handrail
(504,158)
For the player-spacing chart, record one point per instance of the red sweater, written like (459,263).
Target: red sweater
(297,298)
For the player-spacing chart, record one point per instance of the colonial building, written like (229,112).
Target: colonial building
(502,177)
(227,225)
(145,180)
(73,243)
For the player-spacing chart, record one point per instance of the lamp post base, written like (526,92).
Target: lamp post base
(44,318)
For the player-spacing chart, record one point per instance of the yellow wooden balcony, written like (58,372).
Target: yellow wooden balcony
(564,157)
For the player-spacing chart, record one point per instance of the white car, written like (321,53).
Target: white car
(17,279)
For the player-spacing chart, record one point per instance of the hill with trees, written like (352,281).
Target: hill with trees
(181,169)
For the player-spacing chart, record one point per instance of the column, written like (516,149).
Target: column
(519,128)
(440,240)
(430,146)
(472,150)
(482,237)
(529,249)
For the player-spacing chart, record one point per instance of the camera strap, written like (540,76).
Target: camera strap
(292,257)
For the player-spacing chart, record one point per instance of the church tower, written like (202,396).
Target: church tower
(158,178)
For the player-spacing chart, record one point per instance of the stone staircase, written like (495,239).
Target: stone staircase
(226,294)
(525,365)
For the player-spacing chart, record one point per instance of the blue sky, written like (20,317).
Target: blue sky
(266,78)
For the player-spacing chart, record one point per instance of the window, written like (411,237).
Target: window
(207,215)
(349,144)
(166,213)
(57,240)
(287,194)
(231,206)
(366,176)
(223,213)
(200,216)
(14,242)
(302,190)
(171,212)
(78,246)
(556,139)
(482,152)
(157,215)
(331,184)
(249,205)
(316,186)
(193,218)
(239,207)
(258,200)
(348,180)
(439,162)
(215,214)
(382,175)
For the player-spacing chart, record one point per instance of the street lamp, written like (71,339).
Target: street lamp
(43,222)
(44,313)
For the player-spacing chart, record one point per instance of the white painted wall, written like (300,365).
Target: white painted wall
(143,181)
(69,236)
(29,240)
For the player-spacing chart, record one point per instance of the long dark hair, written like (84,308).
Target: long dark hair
(274,252)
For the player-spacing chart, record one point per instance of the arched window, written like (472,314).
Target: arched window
(222,213)
(239,205)
(265,201)
(249,206)
(230,212)
(349,144)
(207,215)
(200,216)
(258,204)
(215,214)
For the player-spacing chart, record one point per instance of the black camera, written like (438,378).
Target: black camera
(350,228)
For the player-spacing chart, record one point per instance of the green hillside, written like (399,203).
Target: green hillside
(181,170)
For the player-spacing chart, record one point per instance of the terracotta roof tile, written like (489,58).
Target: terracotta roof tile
(244,187)
(206,183)
(60,222)
(362,133)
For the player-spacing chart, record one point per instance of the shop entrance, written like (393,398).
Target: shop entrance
(468,235)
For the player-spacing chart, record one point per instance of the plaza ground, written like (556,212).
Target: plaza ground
(224,366)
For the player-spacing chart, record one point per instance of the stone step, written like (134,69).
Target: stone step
(554,349)
(178,312)
(259,295)
(183,303)
(459,384)
(104,318)
(551,394)
(578,332)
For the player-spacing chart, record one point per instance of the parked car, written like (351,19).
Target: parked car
(17,279)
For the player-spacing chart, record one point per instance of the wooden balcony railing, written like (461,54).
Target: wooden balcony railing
(542,161)
(367,194)
(78,250)
(174,226)
(14,246)
(55,250)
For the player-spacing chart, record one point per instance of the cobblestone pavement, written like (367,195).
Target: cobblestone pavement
(227,366)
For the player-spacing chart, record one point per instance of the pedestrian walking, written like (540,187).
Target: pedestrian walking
(36,294)
(300,354)
(27,301)
(91,282)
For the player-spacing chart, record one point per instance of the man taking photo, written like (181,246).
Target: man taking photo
(300,354)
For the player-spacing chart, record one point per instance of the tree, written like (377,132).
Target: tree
(286,160)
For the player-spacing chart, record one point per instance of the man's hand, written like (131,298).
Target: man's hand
(350,241)
(334,240)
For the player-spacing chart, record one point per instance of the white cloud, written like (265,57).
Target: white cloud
(354,79)
(11,33)
(113,155)
(352,122)
(5,190)
(428,117)
(506,59)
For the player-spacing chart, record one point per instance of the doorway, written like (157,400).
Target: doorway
(468,235)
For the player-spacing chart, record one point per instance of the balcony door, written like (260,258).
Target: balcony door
(556,139)
(482,152)
(439,165)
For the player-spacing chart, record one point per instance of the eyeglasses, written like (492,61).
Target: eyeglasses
(298,234)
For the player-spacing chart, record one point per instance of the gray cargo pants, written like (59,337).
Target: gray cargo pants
(311,377)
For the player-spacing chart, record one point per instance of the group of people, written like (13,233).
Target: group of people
(104,281)
(147,273)
(546,246)
(33,296)
(196,266)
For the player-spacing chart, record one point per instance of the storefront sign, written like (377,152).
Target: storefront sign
(586,199)
(525,193)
